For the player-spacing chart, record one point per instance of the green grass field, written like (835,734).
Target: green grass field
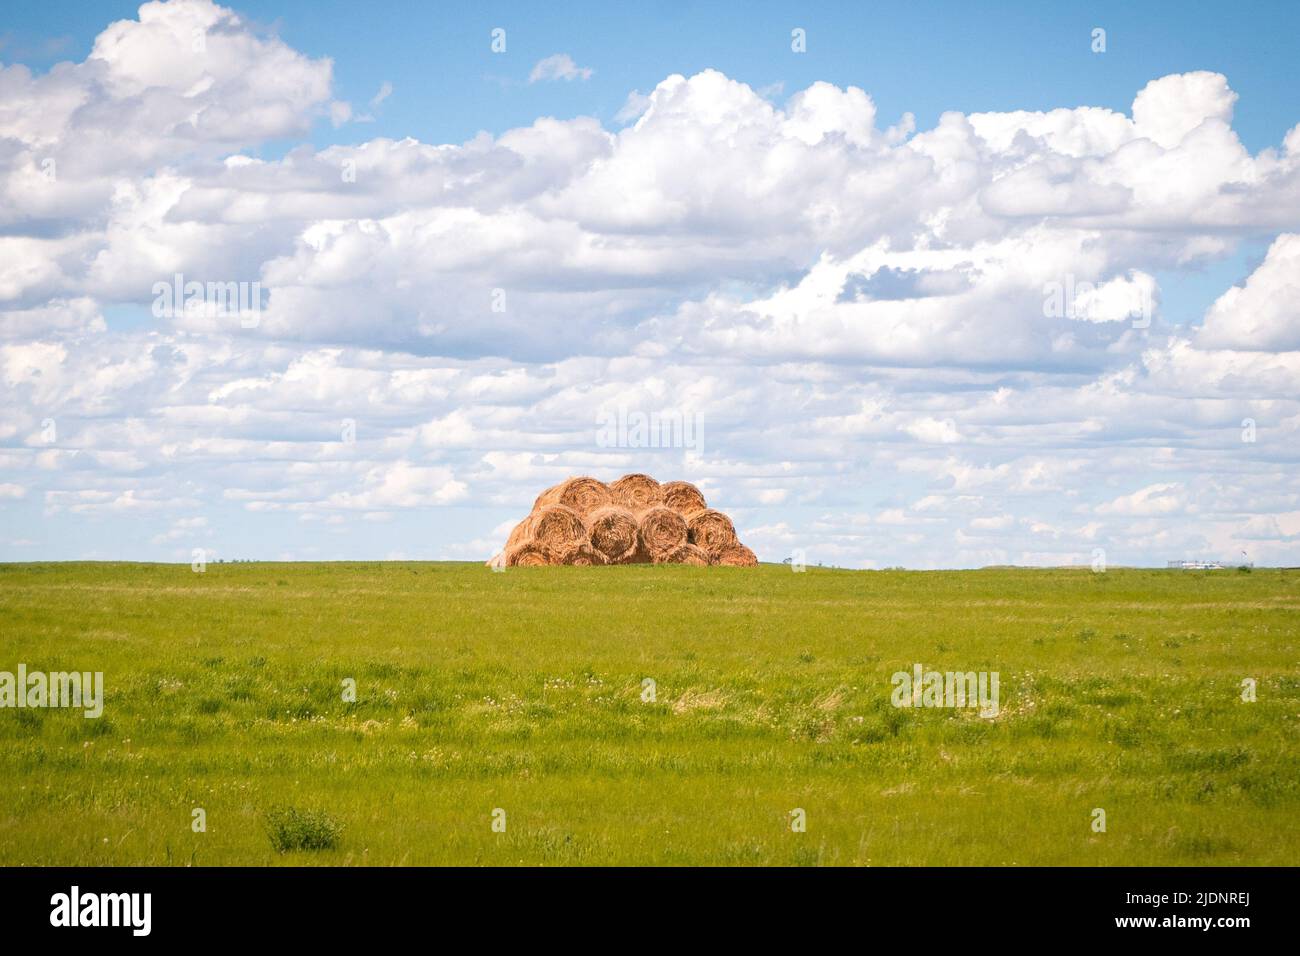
(523,691)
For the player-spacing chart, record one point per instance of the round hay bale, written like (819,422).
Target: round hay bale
(557,528)
(640,555)
(537,502)
(530,554)
(636,492)
(712,531)
(613,533)
(582,555)
(519,535)
(661,531)
(686,554)
(684,498)
(584,495)
(736,555)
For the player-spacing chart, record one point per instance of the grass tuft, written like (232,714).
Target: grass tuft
(292,828)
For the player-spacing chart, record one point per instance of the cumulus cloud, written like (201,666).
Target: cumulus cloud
(1167,109)
(635,104)
(1264,314)
(187,76)
(910,346)
(558,66)
(402,485)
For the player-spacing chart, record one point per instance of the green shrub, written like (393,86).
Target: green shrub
(291,828)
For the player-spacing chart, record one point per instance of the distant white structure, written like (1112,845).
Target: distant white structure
(1201,565)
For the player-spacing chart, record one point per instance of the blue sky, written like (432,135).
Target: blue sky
(954,428)
(922,57)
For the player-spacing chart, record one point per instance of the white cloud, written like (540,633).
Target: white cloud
(1264,314)
(993,523)
(857,314)
(56,316)
(632,108)
(402,485)
(340,112)
(559,66)
(1169,108)
(1157,499)
(933,431)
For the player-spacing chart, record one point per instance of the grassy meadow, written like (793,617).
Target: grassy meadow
(523,691)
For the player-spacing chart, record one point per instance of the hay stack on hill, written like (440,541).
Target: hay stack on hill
(634,520)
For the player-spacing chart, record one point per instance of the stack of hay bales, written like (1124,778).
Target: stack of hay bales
(634,520)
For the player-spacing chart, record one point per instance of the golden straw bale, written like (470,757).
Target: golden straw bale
(711,530)
(557,528)
(582,554)
(636,492)
(530,554)
(518,535)
(686,554)
(661,531)
(584,495)
(736,555)
(613,533)
(684,498)
(634,520)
